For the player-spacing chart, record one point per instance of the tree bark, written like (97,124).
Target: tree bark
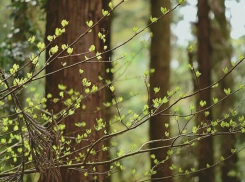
(160,61)
(223,49)
(77,13)
(205,146)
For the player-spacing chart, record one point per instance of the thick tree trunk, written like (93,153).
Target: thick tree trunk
(77,13)
(205,147)
(160,61)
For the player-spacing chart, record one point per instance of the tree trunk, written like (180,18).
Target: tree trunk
(205,146)
(160,61)
(77,13)
(223,49)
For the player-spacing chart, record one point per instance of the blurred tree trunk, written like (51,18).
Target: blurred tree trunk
(106,26)
(222,47)
(77,14)
(205,146)
(160,61)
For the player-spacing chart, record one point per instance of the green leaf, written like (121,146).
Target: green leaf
(50,38)
(64,23)
(133,171)
(80,124)
(120,153)
(215,86)
(153,19)
(54,50)
(61,94)
(59,31)
(170,152)
(92,48)
(172,167)
(194,129)
(105,13)
(241,57)
(135,29)
(241,87)
(31,39)
(61,87)
(193,169)
(165,100)
(40,46)
(225,70)
(89,23)
(222,158)
(156,89)
(206,113)
(227,91)
(110,5)
(181,1)
(198,74)
(215,100)
(164,10)
(190,66)
(69,50)
(192,107)
(16,128)
(190,49)
(112,88)
(180,170)
(202,103)
(153,156)
(81,71)
(64,46)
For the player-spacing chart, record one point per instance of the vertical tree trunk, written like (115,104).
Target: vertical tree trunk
(160,61)
(106,25)
(223,49)
(205,147)
(77,13)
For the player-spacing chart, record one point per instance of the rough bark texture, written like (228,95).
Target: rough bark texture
(205,147)
(221,59)
(160,61)
(77,13)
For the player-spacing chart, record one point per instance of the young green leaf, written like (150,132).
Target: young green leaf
(105,13)
(164,10)
(225,70)
(92,48)
(198,74)
(64,23)
(135,29)
(227,91)
(153,19)
(110,5)
(31,39)
(69,50)
(156,89)
(89,23)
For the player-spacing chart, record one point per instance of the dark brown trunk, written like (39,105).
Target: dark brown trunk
(77,13)
(223,49)
(205,146)
(160,60)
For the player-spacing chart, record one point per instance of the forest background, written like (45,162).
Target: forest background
(132,84)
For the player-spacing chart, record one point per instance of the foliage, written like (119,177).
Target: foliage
(28,130)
